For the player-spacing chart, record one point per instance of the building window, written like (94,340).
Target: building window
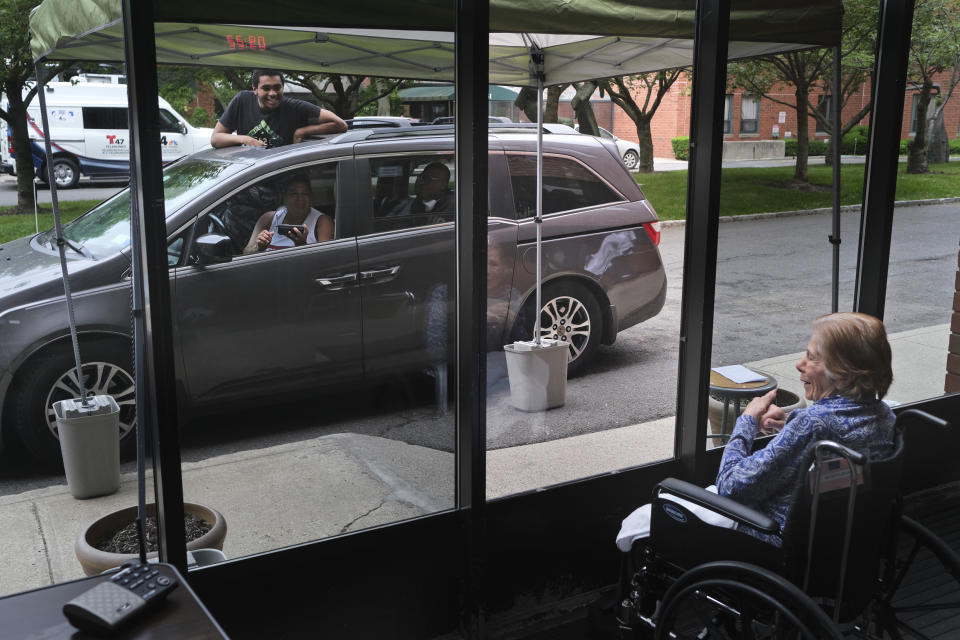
(749,108)
(823,108)
(727,110)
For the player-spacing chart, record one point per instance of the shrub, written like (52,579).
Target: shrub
(200,117)
(681,147)
(955,146)
(814,148)
(904,146)
(855,142)
(817,148)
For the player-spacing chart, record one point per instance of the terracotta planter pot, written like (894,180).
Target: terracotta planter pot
(786,400)
(95,561)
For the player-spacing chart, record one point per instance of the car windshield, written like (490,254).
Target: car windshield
(105,229)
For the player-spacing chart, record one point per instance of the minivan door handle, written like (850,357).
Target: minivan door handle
(380,275)
(336,282)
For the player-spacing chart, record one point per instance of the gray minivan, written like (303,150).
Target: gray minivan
(375,300)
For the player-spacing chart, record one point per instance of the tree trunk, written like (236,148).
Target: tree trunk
(645,142)
(552,105)
(383,102)
(583,109)
(803,135)
(939,147)
(22,155)
(917,155)
(527,102)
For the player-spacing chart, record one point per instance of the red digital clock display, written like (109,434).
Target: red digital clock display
(254,42)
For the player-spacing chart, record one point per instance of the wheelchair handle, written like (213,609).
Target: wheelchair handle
(923,415)
(853,456)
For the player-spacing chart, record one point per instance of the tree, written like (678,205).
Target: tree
(347,95)
(527,102)
(813,70)
(16,76)
(583,109)
(934,47)
(651,87)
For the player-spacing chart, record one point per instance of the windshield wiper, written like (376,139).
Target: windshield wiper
(79,248)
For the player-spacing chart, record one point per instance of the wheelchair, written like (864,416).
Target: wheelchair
(846,554)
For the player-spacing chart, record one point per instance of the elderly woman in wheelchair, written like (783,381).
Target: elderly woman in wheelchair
(791,540)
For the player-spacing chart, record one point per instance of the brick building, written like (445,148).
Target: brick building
(747,118)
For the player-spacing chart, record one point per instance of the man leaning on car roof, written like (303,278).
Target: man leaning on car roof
(263,117)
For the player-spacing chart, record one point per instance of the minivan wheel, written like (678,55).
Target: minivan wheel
(569,313)
(65,172)
(51,377)
(631,159)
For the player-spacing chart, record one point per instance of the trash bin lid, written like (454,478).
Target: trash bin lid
(96,405)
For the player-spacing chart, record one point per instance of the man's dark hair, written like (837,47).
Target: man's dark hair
(259,73)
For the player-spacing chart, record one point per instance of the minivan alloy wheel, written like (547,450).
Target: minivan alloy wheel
(101,379)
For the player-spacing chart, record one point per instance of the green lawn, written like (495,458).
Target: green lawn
(13,226)
(769,189)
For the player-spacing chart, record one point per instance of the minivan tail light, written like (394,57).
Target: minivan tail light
(10,143)
(653,230)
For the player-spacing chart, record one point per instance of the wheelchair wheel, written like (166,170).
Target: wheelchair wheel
(728,600)
(922,585)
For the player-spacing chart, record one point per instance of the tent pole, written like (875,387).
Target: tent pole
(536,58)
(61,242)
(835,143)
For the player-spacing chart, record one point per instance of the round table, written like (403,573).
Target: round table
(729,391)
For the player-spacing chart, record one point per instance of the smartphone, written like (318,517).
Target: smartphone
(286,229)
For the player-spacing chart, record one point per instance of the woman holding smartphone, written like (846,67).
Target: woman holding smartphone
(294,224)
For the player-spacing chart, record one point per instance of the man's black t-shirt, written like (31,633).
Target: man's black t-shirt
(274,128)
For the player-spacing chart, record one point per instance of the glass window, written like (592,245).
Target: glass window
(749,109)
(289,210)
(567,185)
(727,110)
(169,122)
(412,191)
(105,118)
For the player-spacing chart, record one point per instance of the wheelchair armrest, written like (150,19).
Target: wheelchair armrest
(720,504)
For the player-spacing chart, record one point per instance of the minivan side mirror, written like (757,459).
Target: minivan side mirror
(211,248)
(182,127)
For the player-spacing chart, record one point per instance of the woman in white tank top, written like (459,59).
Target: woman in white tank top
(296,211)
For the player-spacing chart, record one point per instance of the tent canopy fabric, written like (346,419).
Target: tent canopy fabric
(415,39)
(447,92)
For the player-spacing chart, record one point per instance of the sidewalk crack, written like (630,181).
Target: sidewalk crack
(347,526)
(43,541)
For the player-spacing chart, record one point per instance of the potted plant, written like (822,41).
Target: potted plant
(90,543)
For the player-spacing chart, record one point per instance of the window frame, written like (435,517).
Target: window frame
(745,122)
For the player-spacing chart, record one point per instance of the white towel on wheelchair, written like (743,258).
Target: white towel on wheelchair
(637,524)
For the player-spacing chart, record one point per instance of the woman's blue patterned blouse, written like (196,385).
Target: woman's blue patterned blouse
(765,480)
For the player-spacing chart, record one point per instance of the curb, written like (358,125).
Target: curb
(848,208)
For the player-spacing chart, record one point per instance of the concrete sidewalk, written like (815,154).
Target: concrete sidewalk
(297,492)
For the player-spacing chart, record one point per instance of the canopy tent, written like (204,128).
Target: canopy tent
(433,92)
(416,40)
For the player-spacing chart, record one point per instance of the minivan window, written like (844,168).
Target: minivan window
(104,117)
(105,229)
(567,185)
(168,122)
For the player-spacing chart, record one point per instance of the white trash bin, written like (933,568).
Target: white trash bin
(537,374)
(90,444)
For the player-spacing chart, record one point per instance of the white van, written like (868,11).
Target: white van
(90,136)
